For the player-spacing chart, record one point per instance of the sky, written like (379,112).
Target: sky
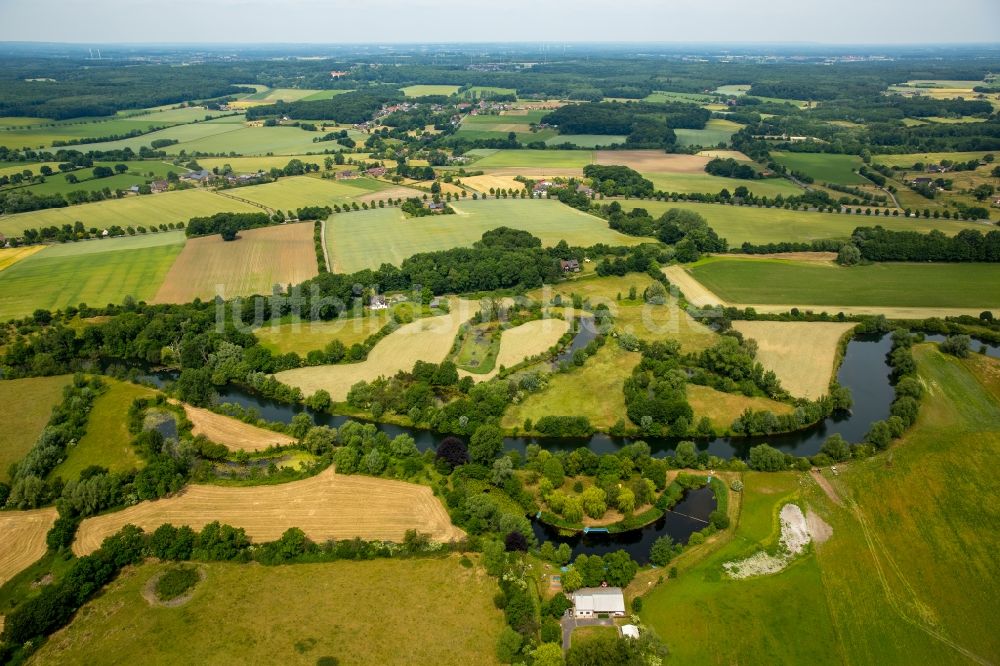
(382,21)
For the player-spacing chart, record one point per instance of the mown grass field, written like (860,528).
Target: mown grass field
(161,208)
(686,183)
(107,441)
(594,391)
(907,160)
(825,168)
(427,339)
(779,282)
(739,224)
(298,191)
(252,264)
(716,131)
(587,140)
(419,611)
(367,239)
(27,406)
(422,90)
(39,135)
(92,272)
(302,337)
(562,159)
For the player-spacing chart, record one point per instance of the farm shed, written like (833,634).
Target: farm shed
(593,601)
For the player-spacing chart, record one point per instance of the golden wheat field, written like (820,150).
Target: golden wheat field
(428,339)
(653,161)
(800,353)
(326,506)
(22,539)
(252,264)
(232,433)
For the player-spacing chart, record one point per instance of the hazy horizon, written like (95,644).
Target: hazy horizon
(329,22)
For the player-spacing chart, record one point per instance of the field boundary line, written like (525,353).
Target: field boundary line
(269,211)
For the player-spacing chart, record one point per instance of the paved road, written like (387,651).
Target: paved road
(569,623)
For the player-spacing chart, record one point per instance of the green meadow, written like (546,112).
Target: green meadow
(424,90)
(685,183)
(587,140)
(178,206)
(716,131)
(94,272)
(901,579)
(27,406)
(107,441)
(825,168)
(367,239)
(295,192)
(739,224)
(531,159)
(777,281)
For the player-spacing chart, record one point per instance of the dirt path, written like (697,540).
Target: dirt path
(695,292)
(827,487)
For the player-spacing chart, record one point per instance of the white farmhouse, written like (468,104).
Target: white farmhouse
(594,601)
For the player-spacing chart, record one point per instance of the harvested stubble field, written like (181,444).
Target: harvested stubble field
(487,181)
(232,433)
(367,239)
(92,272)
(428,339)
(252,264)
(389,611)
(326,506)
(524,341)
(800,353)
(179,206)
(23,539)
(27,405)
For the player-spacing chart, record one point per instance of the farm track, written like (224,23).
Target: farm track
(325,506)
(326,254)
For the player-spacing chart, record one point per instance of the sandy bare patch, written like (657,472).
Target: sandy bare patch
(653,161)
(800,353)
(232,433)
(22,539)
(524,341)
(326,506)
(794,538)
(819,529)
(725,155)
(252,264)
(427,339)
